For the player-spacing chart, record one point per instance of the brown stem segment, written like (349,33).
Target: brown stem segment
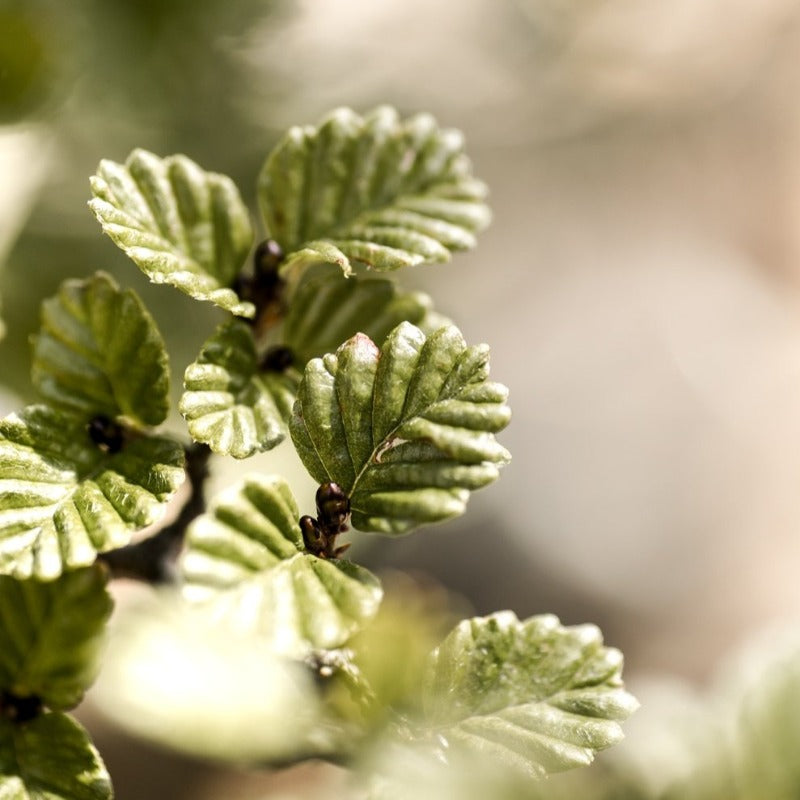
(153,559)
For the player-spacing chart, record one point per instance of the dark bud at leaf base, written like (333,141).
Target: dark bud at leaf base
(266,260)
(278,358)
(333,507)
(108,435)
(315,540)
(19,709)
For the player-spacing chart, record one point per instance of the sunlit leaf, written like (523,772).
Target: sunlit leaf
(50,758)
(532,695)
(50,635)
(406,431)
(99,352)
(230,403)
(180,224)
(247,557)
(175,677)
(64,498)
(378,190)
(327,310)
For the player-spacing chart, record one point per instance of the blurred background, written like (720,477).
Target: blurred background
(640,285)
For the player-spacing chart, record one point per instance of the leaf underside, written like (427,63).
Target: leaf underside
(533,696)
(229,403)
(50,758)
(99,352)
(246,557)
(377,190)
(406,431)
(179,224)
(51,634)
(327,310)
(63,499)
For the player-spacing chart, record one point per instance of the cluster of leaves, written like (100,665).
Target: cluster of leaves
(389,409)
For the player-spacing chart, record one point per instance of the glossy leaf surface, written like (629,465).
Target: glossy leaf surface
(231,404)
(532,695)
(50,758)
(378,190)
(180,224)
(406,431)
(99,352)
(247,557)
(63,498)
(51,634)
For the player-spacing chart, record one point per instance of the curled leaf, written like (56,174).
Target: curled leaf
(378,190)
(230,403)
(64,498)
(246,557)
(180,224)
(531,695)
(99,352)
(407,431)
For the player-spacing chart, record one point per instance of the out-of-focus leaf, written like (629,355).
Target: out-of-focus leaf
(376,190)
(180,224)
(173,676)
(51,634)
(247,557)
(533,695)
(50,758)
(406,431)
(63,498)
(231,404)
(99,352)
(327,310)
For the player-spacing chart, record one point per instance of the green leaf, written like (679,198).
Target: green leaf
(230,404)
(247,556)
(374,189)
(50,758)
(51,634)
(180,224)
(99,352)
(174,677)
(327,310)
(532,695)
(408,431)
(63,498)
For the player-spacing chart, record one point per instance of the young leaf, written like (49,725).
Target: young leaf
(50,758)
(180,224)
(375,189)
(99,352)
(408,431)
(51,634)
(230,404)
(532,695)
(63,498)
(327,310)
(247,556)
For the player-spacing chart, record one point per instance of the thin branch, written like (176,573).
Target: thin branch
(153,559)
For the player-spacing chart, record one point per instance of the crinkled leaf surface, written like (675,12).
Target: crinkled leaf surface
(63,499)
(50,758)
(327,310)
(532,695)
(180,224)
(51,634)
(378,190)
(408,431)
(247,556)
(99,351)
(230,404)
